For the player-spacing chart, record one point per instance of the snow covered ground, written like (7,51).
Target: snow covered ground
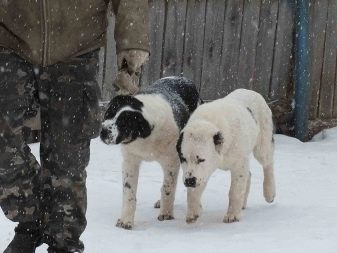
(302,219)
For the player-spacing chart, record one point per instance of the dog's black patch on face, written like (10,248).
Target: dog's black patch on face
(119,102)
(218,139)
(132,125)
(178,146)
(251,113)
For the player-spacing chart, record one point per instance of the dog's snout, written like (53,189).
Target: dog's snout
(190,182)
(104,133)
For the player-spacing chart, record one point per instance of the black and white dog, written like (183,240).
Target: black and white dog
(148,125)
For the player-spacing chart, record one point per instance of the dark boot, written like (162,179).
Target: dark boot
(26,239)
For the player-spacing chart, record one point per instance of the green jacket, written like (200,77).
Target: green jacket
(49,31)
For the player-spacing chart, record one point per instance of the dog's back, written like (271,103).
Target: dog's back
(253,102)
(180,93)
(242,113)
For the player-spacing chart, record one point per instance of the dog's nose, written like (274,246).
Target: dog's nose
(190,182)
(104,134)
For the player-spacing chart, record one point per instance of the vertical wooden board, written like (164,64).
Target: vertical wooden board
(334,116)
(211,87)
(174,38)
(329,64)
(250,28)
(318,18)
(110,61)
(283,49)
(151,71)
(194,40)
(335,83)
(265,46)
(231,45)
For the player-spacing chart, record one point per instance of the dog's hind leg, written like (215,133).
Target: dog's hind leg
(269,190)
(269,183)
(131,166)
(264,152)
(168,190)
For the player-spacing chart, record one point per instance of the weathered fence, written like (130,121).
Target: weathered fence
(226,44)
(323,58)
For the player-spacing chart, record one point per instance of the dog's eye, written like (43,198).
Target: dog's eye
(200,160)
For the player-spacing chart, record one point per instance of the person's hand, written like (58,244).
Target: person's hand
(126,84)
(132,60)
(129,67)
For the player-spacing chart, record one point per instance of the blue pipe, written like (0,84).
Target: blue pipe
(302,83)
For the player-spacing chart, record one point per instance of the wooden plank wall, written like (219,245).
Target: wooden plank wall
(323,36)
(228,44)
(223,45)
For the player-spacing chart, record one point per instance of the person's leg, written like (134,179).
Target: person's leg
(19,170)
(69,119)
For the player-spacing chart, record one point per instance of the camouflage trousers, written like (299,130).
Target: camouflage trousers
(52,192)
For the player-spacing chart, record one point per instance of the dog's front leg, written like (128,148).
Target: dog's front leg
(194,206)
(168,190)
(247,191)
(130,182)
(237,192)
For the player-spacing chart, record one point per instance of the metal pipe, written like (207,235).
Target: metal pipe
(302,83)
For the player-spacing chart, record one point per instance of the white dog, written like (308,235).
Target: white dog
(148,125)
(222,134)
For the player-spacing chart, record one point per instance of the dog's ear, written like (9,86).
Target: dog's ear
(178,147)
(131,125)
(142,128)
(180,140)
(218,141)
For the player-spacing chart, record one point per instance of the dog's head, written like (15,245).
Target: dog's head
(199,147)
(124,121)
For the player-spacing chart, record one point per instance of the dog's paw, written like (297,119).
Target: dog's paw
(269,192)
(269,199)
(157,204)
(163,217)
(125,225)
(269,196)
(230,218)
(192,219)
